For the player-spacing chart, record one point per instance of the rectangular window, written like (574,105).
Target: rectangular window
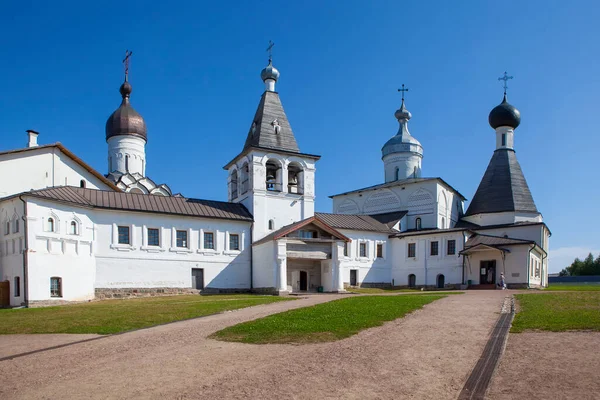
(363,249)
(55,287)
(234,242)
(412,250)
(209,240)
(345,249)
(123,235)
(7,230)
(153,237)
(182,239)
(17,286)
(16,227)
(451,247)
(307,234)
(379,250)
(434,248)
(504,139)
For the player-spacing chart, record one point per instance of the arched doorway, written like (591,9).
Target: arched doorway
(441,281)
(303,280)
(412,280)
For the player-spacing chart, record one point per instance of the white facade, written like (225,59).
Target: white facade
(127,154)
(44,166)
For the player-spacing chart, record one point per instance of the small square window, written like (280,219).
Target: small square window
(234,242)
(209,240)
(153,237)
(55,287)
(123,235)
(434,248)
(363,249)
(451,247)
(412,250)
(182,239)
(379,250)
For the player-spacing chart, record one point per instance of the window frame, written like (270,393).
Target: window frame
(58,285)
(71,224)
(434,244)
(418,224)
(212,240)
(17,286)
(346,252)
(379,250)
(50,224)
(148,235)
(449,247)
(237,237)
(7,228)
(119,233)
(363,246)
(411,248)
(182,239)
(16,225)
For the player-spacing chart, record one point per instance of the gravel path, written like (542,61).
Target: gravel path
(17,344)
(549,365)
(426,355)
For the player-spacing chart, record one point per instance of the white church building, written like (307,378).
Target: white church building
(70,233)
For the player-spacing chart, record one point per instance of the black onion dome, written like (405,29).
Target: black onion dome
(125,120)
(504,114)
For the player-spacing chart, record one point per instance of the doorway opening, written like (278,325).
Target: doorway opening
(487,273)
(198,278)
(412,281)
(303,280)
(441,281)
(353,277)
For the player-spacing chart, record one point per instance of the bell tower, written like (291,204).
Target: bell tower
(270,176)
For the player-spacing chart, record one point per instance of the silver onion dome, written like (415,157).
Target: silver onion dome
(403,141)
(269,72)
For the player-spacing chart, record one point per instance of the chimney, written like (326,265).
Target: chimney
(32,138)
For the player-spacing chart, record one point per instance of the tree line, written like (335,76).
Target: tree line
(589,266)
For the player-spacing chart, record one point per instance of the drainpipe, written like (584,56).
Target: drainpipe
(542,272)
(25,256)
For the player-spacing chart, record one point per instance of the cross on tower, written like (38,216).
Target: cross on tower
(505,78)
(128,54)
(403,90)
(270,50)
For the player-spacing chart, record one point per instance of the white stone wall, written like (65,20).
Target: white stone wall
(431,201)
(41,168)
(127,153)
(11,247)
(424,266)
(501,218)
(264,261)
(370,269)
(281,206)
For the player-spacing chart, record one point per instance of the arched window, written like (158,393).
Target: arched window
(273,180)
(271,224)
(245,178)
(397,173)
(412,281)
(127,163)
(82,183)
(73,228)
(418,224)
(295,178)
(50,224)
(233,188)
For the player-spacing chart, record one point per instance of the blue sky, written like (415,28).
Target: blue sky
(195,76)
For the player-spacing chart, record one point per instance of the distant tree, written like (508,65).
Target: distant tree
(589,266)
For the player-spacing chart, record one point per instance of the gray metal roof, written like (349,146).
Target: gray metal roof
(493,241)
(400,183)
(262,131)
(92,198)
(503,187)
(372,223)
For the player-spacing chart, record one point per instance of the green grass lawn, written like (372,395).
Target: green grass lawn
(325,322)
(581,287)
(113,316)
(558,312)
(380,290)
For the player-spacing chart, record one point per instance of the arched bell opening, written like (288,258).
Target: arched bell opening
(274,176)
(295,178)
